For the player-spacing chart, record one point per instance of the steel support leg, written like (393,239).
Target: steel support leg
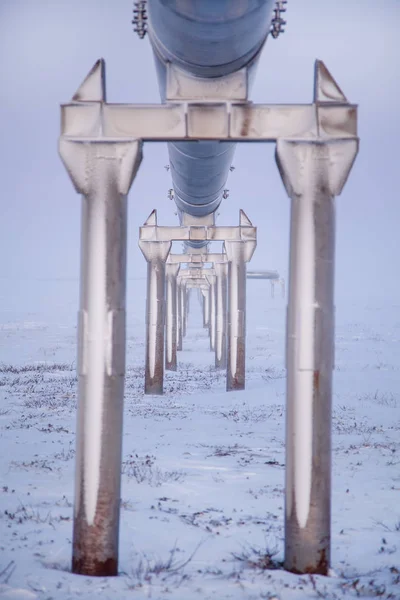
(238,254)
(221,270)
(179,335)
(187,304)
(103,173)
(313,173)
(171,318)
(213,309)
(183,308)
(156,254)
(206,309)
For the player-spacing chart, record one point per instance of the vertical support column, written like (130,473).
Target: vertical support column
(179,334)
(213,309)
(238,254)
(103,173)
(172,271)
(183,307)
(206,309)
(156,254)
(313,172)
(188,295)
(200,297)
(221,270)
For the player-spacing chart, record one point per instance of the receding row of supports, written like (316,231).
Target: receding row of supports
(100,144)
(224,291)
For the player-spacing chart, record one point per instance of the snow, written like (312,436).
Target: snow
(203,470)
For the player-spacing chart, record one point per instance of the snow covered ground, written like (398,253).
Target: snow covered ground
(203,470)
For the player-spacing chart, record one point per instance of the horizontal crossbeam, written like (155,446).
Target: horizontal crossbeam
(151,232)
(206,121)
(197,259)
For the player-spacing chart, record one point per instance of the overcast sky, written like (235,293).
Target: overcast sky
(48,46)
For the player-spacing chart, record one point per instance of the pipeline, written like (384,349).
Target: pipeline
(206,38)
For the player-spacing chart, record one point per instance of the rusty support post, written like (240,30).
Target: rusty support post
(171,317)
(206,309)
(102,171)
(238,254)
(221,270)
(313,172)
(179,335)
(101,343)
(156,254)
(183,307)
(213,306)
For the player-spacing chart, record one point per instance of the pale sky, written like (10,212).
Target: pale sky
(46,49)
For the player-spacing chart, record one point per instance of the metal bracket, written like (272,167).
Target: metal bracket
(209,109)
(140,18)
(277,23)
(198,260)
(150,231)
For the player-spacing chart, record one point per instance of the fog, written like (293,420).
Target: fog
(47,48)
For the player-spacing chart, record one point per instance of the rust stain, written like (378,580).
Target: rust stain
(322,566)
(316,381)
(244,131)
(95,568)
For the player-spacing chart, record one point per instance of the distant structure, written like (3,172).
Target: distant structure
(273,277)
(262,275)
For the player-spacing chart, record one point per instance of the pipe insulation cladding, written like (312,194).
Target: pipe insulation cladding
(206,38)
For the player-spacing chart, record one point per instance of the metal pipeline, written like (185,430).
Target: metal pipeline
(206,39)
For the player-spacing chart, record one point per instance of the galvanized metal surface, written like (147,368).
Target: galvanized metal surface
(313,172)
(172,271)
(151,231)
(179,332)
(183,314)
(213,309)
(206,309)
(156,254)
(201,121)
(102,172)
(198,259)
(238,254)
(329,128)
(221,270)
(329,116)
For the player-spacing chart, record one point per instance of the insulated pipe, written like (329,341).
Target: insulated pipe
(209,38)
(206,39)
